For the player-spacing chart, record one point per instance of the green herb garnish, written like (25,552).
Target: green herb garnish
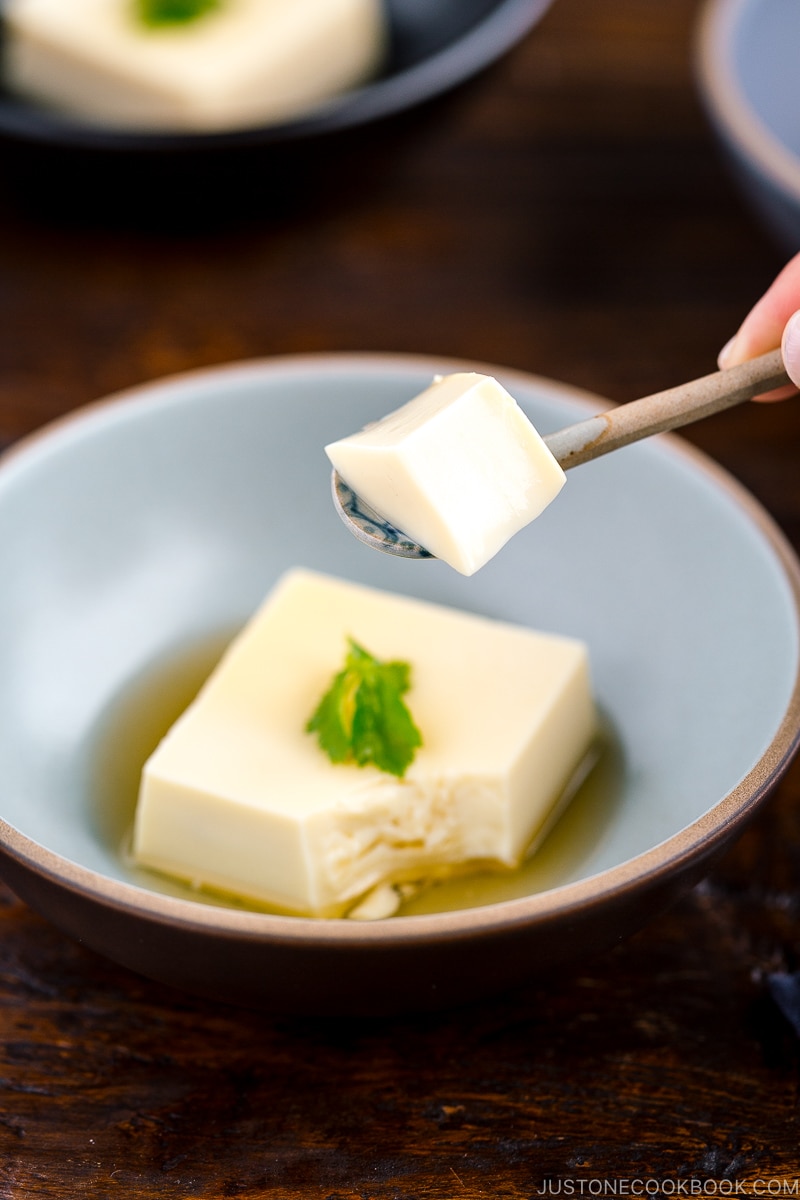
(155,13)
(362,717)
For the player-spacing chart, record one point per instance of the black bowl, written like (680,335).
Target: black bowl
(65,170)
(433,46)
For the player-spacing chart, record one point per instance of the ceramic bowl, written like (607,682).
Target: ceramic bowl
(748,78)
(138,534)
(432,48)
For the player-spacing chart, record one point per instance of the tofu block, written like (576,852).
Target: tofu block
(246,62)
(459,469)
(239,798)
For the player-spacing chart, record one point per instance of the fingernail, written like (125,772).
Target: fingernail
(725,356)
(790,348)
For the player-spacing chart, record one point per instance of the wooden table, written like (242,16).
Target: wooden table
(567,214)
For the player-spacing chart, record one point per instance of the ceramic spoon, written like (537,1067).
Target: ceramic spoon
(597,435)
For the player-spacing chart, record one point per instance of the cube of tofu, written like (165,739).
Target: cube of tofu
(459,469)
(239,797)
(245,62)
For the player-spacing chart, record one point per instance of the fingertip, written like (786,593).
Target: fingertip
(790,348)
(727,355)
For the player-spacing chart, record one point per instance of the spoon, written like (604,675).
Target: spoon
(596,435)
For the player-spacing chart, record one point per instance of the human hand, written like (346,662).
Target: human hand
(773,321)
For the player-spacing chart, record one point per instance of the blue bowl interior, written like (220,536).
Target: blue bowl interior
(766,61)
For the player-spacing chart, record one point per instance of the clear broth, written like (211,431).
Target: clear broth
(147,708)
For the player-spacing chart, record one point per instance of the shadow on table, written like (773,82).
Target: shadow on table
(191,190)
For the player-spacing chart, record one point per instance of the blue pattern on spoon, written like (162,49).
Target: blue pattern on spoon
(370,528)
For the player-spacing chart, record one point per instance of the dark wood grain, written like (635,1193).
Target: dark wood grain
(568,214)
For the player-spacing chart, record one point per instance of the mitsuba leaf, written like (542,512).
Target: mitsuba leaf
(157,13)
(363,719)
